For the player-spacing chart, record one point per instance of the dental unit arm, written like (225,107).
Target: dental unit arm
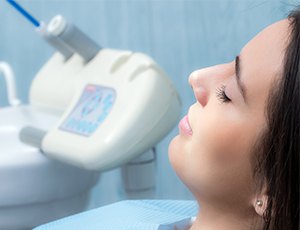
(113,105)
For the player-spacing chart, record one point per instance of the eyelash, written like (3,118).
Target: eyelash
(221,95)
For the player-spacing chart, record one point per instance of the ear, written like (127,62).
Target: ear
(260,204)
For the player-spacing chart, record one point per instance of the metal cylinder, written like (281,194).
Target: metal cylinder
(55,42)
(139,176)
(32,136)
(73,37)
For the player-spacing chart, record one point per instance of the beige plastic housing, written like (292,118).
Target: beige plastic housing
(145,109)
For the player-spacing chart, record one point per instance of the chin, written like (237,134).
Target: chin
(174,151)
(177,155)
(180,162)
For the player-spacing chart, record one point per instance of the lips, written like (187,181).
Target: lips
(184,126)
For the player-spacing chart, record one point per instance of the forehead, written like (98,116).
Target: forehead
(262,60)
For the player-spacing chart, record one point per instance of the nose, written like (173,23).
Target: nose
(203,81)
(199,86)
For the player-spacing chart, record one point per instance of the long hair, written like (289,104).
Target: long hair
(278,167)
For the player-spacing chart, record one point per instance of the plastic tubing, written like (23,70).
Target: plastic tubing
(9,76)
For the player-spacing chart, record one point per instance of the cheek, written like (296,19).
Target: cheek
(217,138)
(224,143)
(220,154)
(216,158)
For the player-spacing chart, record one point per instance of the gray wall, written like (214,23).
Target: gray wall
(180,35)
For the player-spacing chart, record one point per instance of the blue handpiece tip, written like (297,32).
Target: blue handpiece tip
(24,13)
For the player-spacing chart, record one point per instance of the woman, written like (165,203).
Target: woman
(238,147)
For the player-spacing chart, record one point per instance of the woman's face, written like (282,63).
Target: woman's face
(212,153)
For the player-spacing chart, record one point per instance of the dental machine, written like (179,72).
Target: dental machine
(114,105)
(90,109)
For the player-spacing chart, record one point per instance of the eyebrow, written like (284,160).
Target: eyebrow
(240,84)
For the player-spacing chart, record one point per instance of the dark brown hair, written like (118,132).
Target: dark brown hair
(278,158)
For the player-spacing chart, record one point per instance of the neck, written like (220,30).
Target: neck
(225,218)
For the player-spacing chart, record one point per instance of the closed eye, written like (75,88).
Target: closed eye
(221,94)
